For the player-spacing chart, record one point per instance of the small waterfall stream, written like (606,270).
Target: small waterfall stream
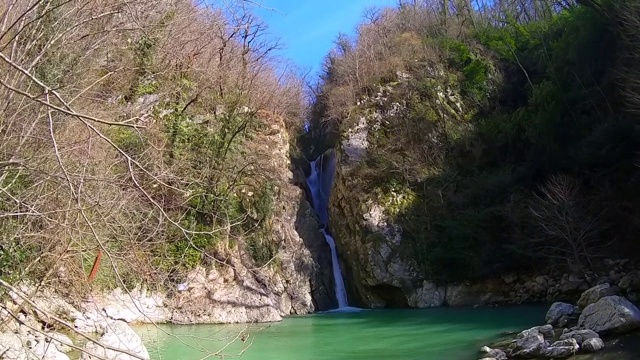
(320,181)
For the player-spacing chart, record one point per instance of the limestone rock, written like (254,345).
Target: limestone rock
(594,294)
(545,330)
(611,314)
(557,311)
(560,349)
(117,335)
(580,336)
(429,295)
(44,350)
(355,143)
(60,341)
(459,295)
(12,347)
(211,300)
(135,306)
(528,346)
(592,345)
(496,354)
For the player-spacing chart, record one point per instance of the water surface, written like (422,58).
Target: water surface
(431,334)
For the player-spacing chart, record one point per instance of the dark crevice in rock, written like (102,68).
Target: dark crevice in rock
(392,296)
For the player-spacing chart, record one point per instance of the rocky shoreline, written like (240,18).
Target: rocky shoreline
(572,330)
(36,324)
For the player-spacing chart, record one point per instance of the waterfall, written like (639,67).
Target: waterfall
(320,181)
(341,292)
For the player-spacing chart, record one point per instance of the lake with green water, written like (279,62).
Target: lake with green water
(430,334)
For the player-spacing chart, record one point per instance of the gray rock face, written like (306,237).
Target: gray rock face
(117,335)
(459,295)
(528,346)
(355,144)
(213,297)
(545,330)
(593,345)
(580,336)
(496,354)
(611,314)
(560,349)
(594,294)
(558,311)
(429,295)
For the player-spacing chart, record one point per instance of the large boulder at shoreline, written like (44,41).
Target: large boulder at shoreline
(559,313)
(560,349)
(528,346)
(545,330)
(594,294)
(611,314)
(136,306)
(494,354)
(592,345)
(580,336)
(225,295)
(117,335)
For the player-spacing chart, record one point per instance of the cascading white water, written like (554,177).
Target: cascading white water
(341,292)
(320,181)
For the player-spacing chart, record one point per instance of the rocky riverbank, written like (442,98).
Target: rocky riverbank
(598,319)
(37,323)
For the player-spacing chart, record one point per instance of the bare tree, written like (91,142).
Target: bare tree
(92,174)
(567,224)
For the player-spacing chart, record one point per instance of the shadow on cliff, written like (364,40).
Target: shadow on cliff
(308,228)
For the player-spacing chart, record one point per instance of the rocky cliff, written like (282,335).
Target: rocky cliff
(234,288)
(378,261)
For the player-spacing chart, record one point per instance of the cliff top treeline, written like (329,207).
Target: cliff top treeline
(137,136)
(502,135)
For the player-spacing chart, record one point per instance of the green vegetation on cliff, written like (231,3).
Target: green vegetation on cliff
(511,133)
(143,131)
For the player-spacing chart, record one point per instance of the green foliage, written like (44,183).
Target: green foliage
(128,140)
(475,69)
(538,99)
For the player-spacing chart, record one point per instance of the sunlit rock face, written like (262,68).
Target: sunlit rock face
(295,282)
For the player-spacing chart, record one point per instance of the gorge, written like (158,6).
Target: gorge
(320,183)
(455,168)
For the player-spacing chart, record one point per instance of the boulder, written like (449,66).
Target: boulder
(529,346)
(580,336)
(545,330)
(611,314)
(593,345)
(560,349)
(558,311)
(594,294)
(496,354)
(117,335)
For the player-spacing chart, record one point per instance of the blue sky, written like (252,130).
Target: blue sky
(307,28)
